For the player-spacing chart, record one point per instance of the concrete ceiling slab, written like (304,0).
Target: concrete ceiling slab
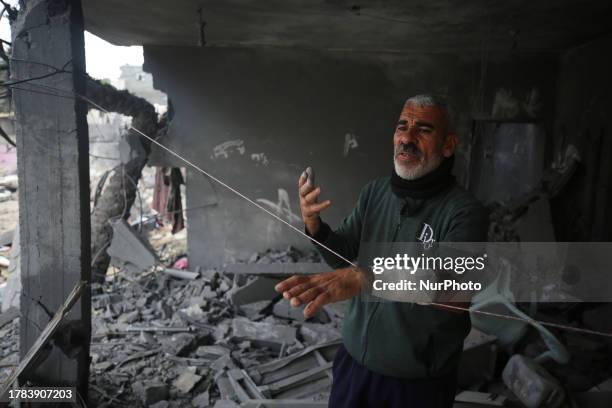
(396,26)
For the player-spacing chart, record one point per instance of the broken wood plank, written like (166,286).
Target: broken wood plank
(277,269)
(46,335)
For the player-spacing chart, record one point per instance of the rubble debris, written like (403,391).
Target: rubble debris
(7,237)
(202,400)
(531,383)
(46,335)
(212,352)
(225,388)
(277,269)
(257,289)
(243,385)
(10,182)
(181,274)
(179,344)
(303,374)
(186,381)
(150,393)
(12,292)
(265,333)
(8,316)
(128,249)
(255,310)
(158,329)
(224,403)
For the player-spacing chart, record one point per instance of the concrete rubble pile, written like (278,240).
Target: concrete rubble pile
(208,339)
(166,337)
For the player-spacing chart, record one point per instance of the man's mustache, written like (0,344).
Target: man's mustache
(410,148)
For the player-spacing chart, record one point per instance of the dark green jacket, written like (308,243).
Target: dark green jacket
(398,339)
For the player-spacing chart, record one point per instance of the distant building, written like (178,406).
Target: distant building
(140,83)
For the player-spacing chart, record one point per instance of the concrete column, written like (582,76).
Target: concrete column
(52,146)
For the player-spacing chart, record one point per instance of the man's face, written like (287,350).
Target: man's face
(421,141)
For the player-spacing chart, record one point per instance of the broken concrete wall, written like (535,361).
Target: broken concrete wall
(256,118)
(584,106)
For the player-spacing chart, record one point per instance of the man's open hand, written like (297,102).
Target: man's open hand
(321,289)
(309,205)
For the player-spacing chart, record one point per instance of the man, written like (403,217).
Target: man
(394,354)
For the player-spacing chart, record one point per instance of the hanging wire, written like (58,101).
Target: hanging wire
(302,233)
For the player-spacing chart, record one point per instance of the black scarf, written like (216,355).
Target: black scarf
(426,186)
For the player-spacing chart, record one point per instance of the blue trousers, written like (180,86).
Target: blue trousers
(354,386)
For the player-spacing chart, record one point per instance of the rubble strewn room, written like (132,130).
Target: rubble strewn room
(192,192)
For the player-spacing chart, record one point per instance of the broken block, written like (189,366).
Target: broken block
(178,344)
(260,288)
(532,384)
(150,394)
(186,381)
(212,352)
(253,310)
(202,400)
(266,333)
(129,249)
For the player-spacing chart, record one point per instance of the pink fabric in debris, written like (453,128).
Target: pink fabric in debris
(182,263)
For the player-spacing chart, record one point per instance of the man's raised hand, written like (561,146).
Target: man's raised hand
(318,290)
(309,205)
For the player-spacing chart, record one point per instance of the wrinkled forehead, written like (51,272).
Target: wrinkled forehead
(435,115)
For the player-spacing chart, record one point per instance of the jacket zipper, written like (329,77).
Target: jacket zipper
(377,304)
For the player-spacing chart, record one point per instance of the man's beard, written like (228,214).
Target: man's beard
(416,170)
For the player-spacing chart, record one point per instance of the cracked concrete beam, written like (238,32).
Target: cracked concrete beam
(53,169)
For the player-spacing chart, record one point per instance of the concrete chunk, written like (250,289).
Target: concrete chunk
(266,333)
(178,344)
(202,400)
(128,248)
(260,288)
(186,381)
(531,383)
(212,352)
(150,394)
